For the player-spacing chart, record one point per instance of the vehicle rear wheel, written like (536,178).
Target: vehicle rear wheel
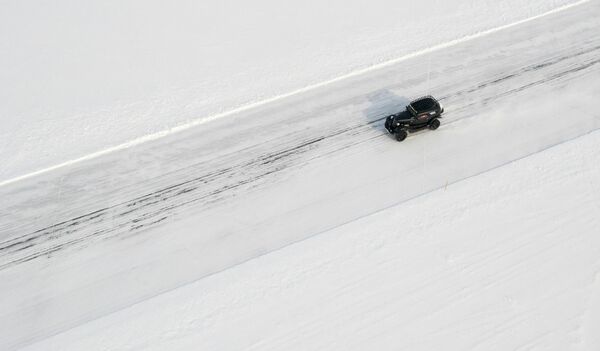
(434,124)
(401,135)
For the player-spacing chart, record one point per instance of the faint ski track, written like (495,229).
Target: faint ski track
(183,127)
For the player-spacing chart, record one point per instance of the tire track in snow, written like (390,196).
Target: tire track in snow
(154,208)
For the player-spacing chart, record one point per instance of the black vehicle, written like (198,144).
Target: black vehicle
(421,113)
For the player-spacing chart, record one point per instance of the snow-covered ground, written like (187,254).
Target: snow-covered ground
(508,260)
(299,223)
(80,78)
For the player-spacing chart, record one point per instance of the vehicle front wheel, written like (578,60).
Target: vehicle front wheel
(388,124)
(401,135)
(434,124)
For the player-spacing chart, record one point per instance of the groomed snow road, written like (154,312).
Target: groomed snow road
(87,240)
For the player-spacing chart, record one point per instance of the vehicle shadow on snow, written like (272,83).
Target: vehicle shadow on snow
(383,103)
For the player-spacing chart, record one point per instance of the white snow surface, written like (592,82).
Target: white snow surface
(506,260)
(301,224)
(495,262)
(79,78)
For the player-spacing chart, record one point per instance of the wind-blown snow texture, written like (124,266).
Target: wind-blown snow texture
(78,78)
(482,234)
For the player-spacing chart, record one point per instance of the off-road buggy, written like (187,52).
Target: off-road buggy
(421,113)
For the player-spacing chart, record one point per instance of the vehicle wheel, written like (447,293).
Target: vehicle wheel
(401,135)
(387,124)
(434,124)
